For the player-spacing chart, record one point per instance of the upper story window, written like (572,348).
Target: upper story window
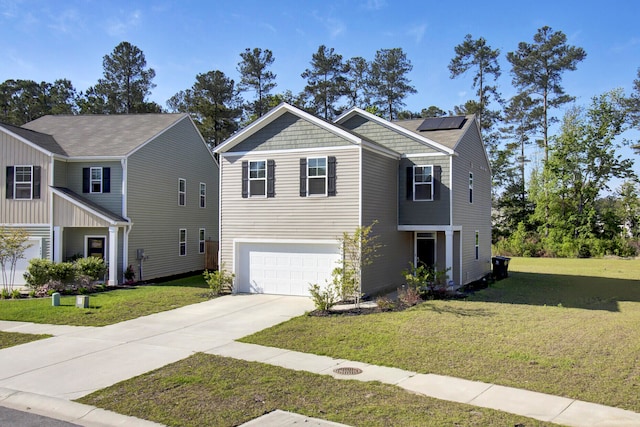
(318,176)
(258,178)
(96,180)
(203,195)
(182,192)
(423,183)
(23,182)
(470,187)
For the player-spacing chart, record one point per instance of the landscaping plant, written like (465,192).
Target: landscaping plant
(219,280)
(13,244)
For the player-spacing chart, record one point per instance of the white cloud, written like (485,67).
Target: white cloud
(67,21)
(334,26)
(118,27)
(417,32)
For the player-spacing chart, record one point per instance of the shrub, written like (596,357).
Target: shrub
(129,274)
(64,272)
(385,304)
(219,280)
(38,272)
(409,296)
(324,297)
(93,267)
(15,294)
(5,294)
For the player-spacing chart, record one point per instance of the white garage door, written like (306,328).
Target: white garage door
(35,251)
(284,268)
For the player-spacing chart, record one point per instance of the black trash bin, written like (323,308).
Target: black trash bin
(500,267)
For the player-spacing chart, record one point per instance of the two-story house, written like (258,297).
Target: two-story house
(139,190)
(292,183)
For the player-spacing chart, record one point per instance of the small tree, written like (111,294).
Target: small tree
(359,250)
(13,244)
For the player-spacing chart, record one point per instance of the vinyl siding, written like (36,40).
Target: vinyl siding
(153,173)
(74,242)
(434,212)
(379,203)
(14,211)
(288,215)
(66,214)
(289,131)
(385,136)
(112,200)
(477,215)
(38,231)
(60,173)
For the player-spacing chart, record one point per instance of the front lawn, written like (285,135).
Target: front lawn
(207,390)
(9,339)
(564,327)
(109,307)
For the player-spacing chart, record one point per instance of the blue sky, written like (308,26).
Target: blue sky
(46,40)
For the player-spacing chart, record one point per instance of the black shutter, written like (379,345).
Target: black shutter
(271,178)
(437,174)
(106,180)
(9,182)
(331,176)
(86,180)
(37,172)
(245,179)
(410,183)
(303,177)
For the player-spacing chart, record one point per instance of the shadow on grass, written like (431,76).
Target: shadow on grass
(457,311)
(592,293)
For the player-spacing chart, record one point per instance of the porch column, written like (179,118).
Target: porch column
(448,248)
(57,243)
(113,256)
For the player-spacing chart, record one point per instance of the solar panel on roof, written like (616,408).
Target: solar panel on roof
(442,123)
(431,123)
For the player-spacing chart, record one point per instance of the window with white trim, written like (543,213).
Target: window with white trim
(182,192)
(23,182)
(258,178)
(317,176)
(203,195)
(423,182)
(470,187)
(95,182)
(477,244)
(182,242)
(201,240)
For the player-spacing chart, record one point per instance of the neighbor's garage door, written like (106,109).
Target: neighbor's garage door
(34,251)
(284,269)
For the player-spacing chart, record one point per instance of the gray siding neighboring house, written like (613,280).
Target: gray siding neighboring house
(109,186)
(281,239)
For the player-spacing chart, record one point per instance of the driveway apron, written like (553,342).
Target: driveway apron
(79,361)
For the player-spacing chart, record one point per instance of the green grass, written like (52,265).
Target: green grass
(206,390)
(565,327)
(9,339)
(109,307)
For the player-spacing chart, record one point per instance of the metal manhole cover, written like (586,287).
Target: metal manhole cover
(348,371)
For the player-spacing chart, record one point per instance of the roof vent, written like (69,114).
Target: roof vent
(442,123)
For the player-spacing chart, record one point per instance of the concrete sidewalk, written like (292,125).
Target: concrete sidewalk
(43,376)
(543,407)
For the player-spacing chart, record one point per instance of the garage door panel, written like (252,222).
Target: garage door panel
(286,269)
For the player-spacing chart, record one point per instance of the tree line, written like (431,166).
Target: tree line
(560,206)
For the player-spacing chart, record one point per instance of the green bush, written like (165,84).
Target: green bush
(92,267)
(219,280)
(324,297)
(63,272)
(39,272)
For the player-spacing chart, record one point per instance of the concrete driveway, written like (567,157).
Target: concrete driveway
(80,360)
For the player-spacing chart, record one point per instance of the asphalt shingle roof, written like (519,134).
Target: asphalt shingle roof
(47,142)
(101,135)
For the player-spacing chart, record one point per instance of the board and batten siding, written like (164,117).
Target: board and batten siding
(152,202)
(288,216)
(425,212)
(379,203)
(287,132)
(16,211)
(477,215)
(67,214)
(112,200)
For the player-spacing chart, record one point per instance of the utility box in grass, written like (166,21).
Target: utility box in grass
(82,301)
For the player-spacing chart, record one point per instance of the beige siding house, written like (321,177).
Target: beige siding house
(292,184)
(138,190)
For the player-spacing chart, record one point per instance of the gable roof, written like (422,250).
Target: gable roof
(102,135)
(447,137)
(89,205)
(396,128)
(38,140)
(276,113)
